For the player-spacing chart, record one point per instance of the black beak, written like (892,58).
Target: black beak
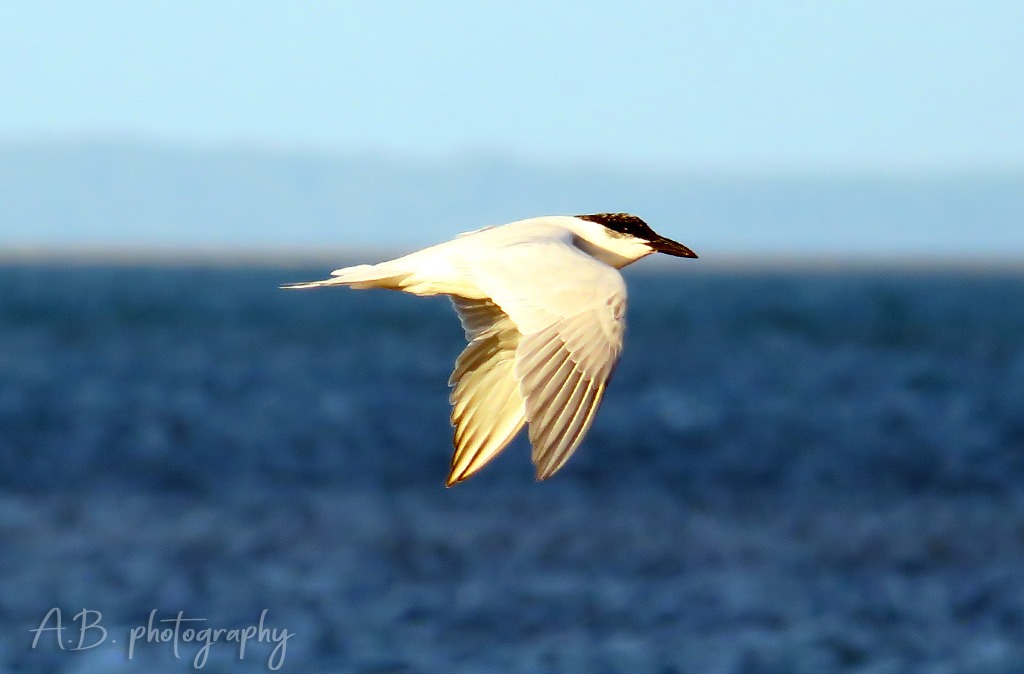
(670,247)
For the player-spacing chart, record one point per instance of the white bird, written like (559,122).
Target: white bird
(542,305)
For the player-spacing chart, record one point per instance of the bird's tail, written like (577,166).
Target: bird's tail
(359,276)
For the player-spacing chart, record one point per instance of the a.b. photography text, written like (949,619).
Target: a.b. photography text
(182,636)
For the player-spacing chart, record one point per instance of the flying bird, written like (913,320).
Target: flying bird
(543,307)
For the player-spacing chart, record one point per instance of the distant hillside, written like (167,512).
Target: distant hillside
(139,196)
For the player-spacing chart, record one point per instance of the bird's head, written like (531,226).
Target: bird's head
(630,238)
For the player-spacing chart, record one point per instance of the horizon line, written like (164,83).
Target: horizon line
(296,257)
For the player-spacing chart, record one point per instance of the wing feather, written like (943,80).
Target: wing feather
(558,422)
(537,355)
(571,337)
(487,408)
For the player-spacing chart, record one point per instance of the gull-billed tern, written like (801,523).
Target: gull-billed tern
(542,304)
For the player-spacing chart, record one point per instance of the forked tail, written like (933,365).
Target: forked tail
(360,276)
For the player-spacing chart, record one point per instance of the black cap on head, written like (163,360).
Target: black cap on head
(634,226)
(622,222)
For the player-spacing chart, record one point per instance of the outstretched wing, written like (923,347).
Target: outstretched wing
(565,329)
(487,408)
(563,371)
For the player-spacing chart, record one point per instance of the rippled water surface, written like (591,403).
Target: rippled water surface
(791,472)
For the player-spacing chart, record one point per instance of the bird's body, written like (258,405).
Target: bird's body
(542,304)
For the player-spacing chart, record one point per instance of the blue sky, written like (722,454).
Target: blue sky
(736,86)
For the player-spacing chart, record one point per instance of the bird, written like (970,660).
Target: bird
(542,304)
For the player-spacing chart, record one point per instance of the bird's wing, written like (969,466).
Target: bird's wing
(487,408)
(568,309)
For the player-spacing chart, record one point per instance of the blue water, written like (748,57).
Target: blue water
(791,472)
